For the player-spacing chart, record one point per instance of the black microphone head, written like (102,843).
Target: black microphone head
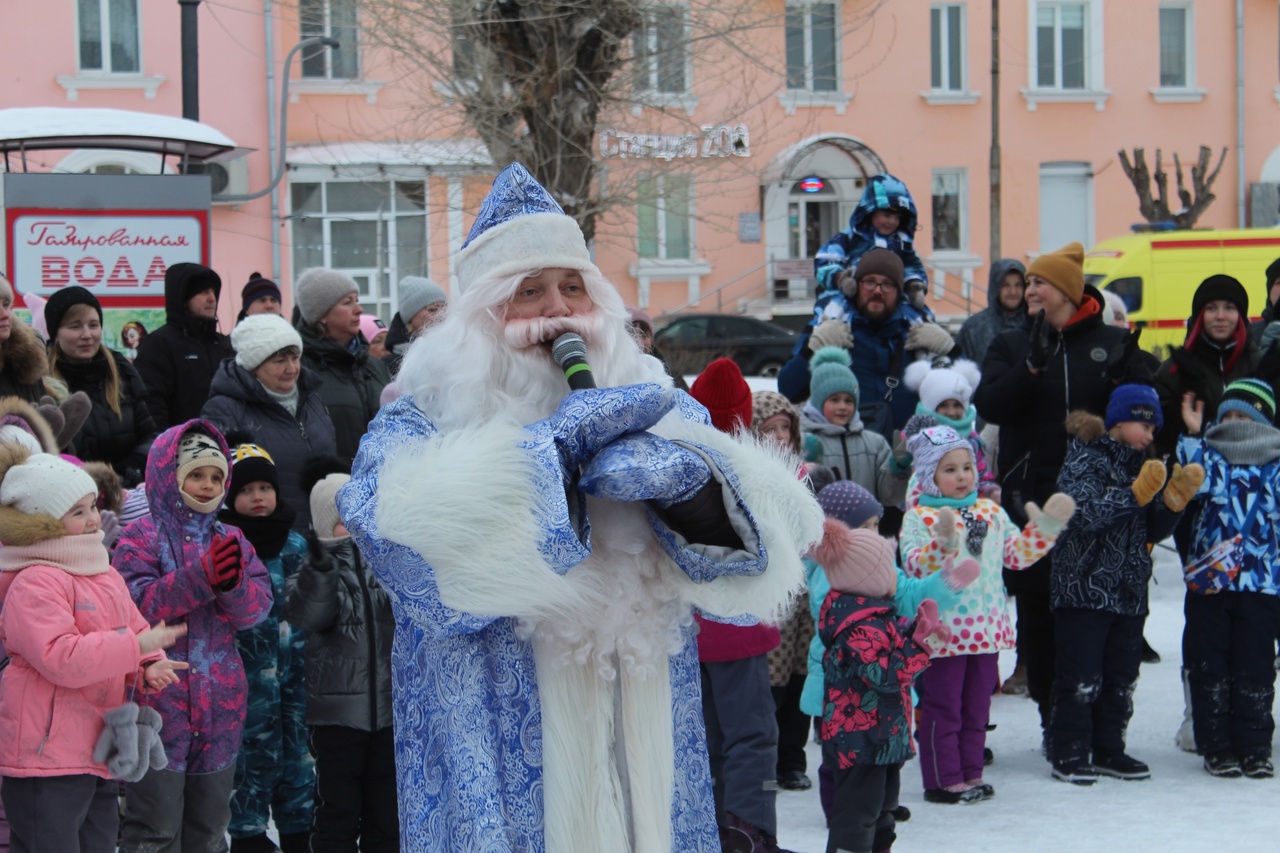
(567,346)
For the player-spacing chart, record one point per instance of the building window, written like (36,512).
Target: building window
(1061,46)
(946,47)
(949,210)
(374,231)
(663,213)
(109,36)
(812,47)
(1175,47)
(336,19)
(660,48)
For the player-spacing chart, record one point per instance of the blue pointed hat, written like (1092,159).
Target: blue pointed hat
(520,228)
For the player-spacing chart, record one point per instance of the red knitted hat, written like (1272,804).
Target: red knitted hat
(726,395)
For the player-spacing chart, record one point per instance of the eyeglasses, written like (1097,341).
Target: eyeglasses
(882,286)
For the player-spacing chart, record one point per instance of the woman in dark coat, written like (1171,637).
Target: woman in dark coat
(265,393)
(1218,350)
(23,365)
(328,304)
(119,429)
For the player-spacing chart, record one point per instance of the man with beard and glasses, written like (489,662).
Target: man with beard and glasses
(545,551)
(870,318)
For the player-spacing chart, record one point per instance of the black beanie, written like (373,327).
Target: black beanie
(60,303)
(250,463)
(1222,287)
(1273,273)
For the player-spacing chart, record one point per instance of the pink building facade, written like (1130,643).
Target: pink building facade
(735,161)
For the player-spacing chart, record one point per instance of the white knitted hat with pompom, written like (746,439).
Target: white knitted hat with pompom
(938,384)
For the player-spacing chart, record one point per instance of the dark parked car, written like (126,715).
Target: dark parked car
(689,342)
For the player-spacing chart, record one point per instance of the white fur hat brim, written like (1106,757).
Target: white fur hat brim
(533,241)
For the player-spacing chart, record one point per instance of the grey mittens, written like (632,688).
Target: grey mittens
(130,744)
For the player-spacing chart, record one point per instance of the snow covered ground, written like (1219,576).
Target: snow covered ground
(1181,808)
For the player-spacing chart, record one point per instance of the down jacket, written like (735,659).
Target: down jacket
(1103,558)
(237,401)
(159,558)
(177,361)
(347,615)
(869,666)
(72,641)
(858,454)
(350,386)
(1031,410)
(120,441)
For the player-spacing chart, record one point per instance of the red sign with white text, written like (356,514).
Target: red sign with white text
(119,255)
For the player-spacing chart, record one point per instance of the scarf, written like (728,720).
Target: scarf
(963,426)
(267,534)
(289,401)
(976,529)
(1244,442)
(78,555)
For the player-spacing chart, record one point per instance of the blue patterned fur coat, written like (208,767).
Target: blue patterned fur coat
(546,682)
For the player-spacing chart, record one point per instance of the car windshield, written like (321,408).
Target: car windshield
(1093,278)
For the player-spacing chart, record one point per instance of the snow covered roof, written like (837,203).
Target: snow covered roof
(36,128)
(425,152)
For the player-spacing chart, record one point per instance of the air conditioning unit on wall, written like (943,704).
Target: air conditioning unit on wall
(229,178)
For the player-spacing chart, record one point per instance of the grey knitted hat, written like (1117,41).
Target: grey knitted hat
(928,446)
(318,289)
(415,294)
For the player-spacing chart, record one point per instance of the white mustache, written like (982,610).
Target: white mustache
(523,334)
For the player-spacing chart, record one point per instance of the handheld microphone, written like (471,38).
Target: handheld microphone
(570,352)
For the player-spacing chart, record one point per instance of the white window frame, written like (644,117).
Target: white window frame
(648,94)
(660,205)
(327,54)
(384,302)
(105,34)
(961,94)
(962,190)
(1188,93)
(791,99)
(1094,91)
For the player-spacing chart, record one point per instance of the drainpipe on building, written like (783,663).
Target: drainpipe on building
(190,60)
(994,168)
(1240,184)
(272,139)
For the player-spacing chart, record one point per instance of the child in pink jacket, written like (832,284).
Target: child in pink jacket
(75,642)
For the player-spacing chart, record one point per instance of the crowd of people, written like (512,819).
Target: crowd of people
(398,587)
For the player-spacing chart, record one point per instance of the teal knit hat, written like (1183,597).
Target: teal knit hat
(829,374)
(1251,396)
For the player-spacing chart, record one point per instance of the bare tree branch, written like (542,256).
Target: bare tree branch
(1194,202)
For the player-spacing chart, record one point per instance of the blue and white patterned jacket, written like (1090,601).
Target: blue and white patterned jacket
(1241,462)
(525,616)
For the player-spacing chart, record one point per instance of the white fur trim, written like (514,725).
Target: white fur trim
(534,241)
(787,517)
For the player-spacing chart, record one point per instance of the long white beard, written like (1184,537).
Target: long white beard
(471,368)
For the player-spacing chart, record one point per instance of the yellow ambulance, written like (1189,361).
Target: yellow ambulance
(1156,273)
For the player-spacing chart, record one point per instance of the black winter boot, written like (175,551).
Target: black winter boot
(295,842)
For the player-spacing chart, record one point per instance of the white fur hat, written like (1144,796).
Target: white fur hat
(937,384)
(45,484)
(520,227)
(260,336)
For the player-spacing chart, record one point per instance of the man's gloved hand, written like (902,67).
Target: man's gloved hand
(1183,485)
(930,632)
(930,338)
(318,555)
(945,530)
(222,564)
(1270,335)
(831,333)
(1057,511)
(1149,481)
(1038,348)
(644,467)
(587,420)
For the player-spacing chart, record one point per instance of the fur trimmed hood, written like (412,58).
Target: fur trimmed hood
(1085,426)
(20,528)
(18,412)
(24,355)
